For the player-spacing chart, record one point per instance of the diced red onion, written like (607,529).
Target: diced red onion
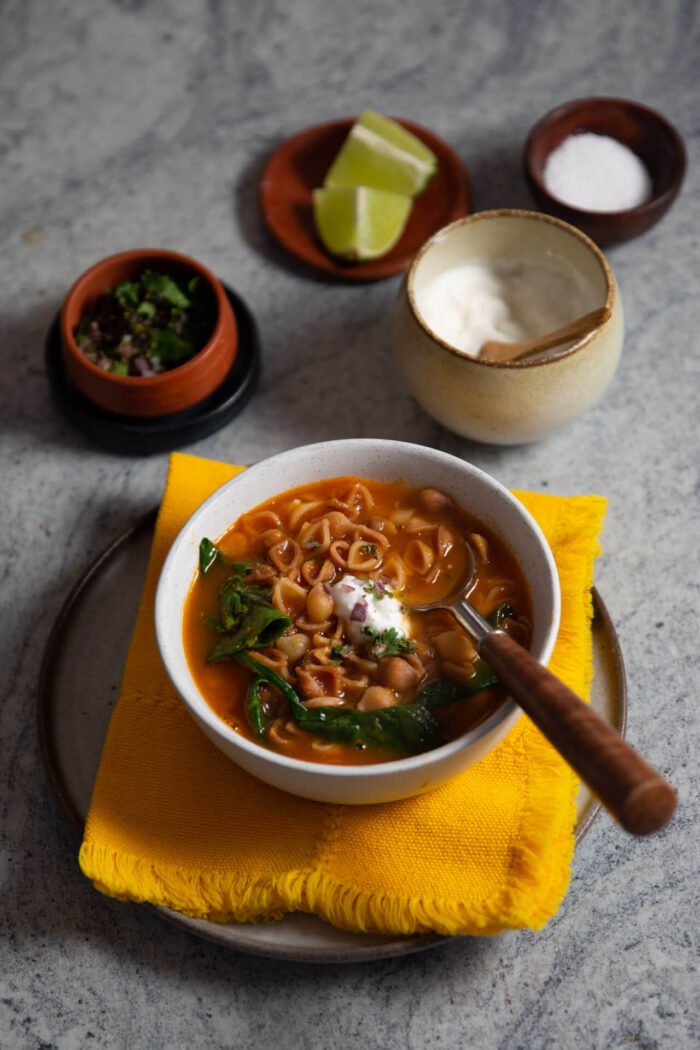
(359,612)
(142,366)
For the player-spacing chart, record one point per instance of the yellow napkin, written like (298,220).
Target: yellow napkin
(174,822)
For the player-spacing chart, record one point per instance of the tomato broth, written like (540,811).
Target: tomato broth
(327,567)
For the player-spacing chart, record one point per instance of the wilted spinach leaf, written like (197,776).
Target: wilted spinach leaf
(209,553)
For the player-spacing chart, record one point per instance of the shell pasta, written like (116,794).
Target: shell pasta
(297,634)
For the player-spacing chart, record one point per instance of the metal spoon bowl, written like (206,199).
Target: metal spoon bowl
(636,795)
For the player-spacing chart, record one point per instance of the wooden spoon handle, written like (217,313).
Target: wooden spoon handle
(634,793)
(493,350)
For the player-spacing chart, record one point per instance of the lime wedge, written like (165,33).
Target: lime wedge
(379,152)
(359,222)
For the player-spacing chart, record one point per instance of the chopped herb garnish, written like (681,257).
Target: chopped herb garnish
(147,326)
(375,589)
(369,549)
(389,642)
(338,652)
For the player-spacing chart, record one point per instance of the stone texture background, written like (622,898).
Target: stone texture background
(127,123)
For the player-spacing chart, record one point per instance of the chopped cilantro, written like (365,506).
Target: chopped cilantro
(370,549)
(338,652)
(375,590)
(147,326)
(389,642)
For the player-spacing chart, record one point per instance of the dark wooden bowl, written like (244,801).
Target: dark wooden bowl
(655,141)
(148,396)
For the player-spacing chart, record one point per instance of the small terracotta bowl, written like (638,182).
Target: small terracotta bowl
(655,141)
(512,402)
(148,396)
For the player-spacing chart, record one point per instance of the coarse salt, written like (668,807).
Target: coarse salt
(597,173)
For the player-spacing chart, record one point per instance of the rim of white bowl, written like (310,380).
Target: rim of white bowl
(514,213)
(198,706)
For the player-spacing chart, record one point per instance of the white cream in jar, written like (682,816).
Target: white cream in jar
(505,299)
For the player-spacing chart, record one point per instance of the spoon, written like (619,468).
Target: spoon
(499,352)
(639,798)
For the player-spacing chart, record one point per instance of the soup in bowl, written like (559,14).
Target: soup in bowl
(284,616)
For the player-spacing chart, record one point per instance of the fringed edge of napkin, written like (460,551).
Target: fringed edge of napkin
(267,898)
(525,901)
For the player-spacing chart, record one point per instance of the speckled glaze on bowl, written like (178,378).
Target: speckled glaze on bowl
(646,132)
(518,401)
(485,497)
(148,396)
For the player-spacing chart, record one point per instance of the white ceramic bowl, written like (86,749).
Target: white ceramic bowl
(416,465)
(518,401)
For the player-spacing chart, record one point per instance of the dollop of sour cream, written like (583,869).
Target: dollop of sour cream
(364,603)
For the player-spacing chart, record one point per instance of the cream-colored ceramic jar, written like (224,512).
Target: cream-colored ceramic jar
(519,401)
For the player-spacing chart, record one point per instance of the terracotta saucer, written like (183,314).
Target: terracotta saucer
(299,166)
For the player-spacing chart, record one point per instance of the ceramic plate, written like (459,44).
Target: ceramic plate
(79,687)
(299,166)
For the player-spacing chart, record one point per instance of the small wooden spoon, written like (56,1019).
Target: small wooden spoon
(499,352)
(636,795)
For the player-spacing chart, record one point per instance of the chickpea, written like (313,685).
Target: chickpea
(424,650)
(458,672)
(319,604)
(434,501)
(377,697)
(455,647)
(398,674)
(293,646)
